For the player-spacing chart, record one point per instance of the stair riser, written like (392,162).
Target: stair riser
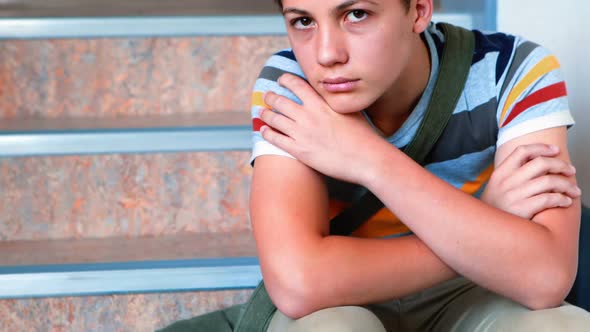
(123,195)
(138,312)
(109,77)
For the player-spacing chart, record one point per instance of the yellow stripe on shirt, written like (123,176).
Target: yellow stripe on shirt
(258,99)
(543,67)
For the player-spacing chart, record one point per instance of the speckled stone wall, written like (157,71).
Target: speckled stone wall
(123,195)
(109,77)
(126,195)
(137,313)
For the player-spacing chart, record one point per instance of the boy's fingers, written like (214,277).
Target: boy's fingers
(273,137)
(550,184)
(282,104)
(541,166)
(524,153)
(278,122)
(300,88)
(546,201)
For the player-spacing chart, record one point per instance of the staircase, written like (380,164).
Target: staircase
(124,147)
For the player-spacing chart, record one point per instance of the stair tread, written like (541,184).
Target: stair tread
(141,134)
(83,267)
(89,8)
(122,249)
(92,124)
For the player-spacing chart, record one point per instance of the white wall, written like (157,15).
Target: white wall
(564,27)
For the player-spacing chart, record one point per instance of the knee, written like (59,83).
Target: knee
(564,318)
(340,319)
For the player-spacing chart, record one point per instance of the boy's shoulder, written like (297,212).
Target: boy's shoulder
(497,50)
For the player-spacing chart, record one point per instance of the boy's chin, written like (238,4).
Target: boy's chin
(346,105)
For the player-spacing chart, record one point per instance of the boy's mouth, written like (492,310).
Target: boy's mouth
(339,84)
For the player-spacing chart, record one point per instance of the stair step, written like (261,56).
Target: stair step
(126,312)
(93,8)
(138,134)
(205,24)
(112,18)
(184,262)
(116,27)
(131,77)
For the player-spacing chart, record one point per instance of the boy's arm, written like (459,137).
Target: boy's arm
(533,263)
(298,211)
(305,269)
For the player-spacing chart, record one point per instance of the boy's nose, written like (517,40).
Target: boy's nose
(331,48)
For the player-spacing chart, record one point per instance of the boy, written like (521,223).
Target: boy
(456,263)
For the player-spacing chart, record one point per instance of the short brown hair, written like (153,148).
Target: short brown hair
(405,2)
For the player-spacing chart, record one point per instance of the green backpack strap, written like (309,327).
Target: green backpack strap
(257,312)
(455,65)
(454,68)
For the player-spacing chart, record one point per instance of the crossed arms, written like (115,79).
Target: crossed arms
(520,241)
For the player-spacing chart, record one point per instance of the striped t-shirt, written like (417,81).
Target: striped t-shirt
(514,87)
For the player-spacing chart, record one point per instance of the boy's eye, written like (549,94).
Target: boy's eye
(356,15)
(302,23)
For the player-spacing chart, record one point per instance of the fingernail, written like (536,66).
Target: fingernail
(573,168)
(554,148)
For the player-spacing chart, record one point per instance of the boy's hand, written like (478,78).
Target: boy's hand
(530,181)
(332,143)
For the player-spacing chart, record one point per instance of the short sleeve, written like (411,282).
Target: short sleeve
(278,64)
(534,95)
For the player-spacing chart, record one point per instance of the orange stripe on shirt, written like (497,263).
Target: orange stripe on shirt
(543,67)
(258,99)
(471,187)
(383,223)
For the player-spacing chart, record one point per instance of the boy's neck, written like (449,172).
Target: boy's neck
(392,109)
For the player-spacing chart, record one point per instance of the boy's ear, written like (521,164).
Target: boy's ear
(422,12)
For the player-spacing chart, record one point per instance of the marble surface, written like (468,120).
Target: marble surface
(137,312)
(126,195)
(123,195)
(111,77)
(36,8)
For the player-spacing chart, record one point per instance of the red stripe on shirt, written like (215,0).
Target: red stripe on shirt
(257,124)
(550,92)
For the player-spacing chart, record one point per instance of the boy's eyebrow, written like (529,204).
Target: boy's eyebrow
(338,8)
(295,11)
(349,3)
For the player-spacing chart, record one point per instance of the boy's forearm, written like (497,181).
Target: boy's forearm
(510,255)
(354,271)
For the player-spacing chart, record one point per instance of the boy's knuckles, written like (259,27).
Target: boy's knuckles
(547,182)
(289,80)
(269,97)
(522,150)
(268,117)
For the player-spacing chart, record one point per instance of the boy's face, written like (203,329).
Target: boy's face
(352,52)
